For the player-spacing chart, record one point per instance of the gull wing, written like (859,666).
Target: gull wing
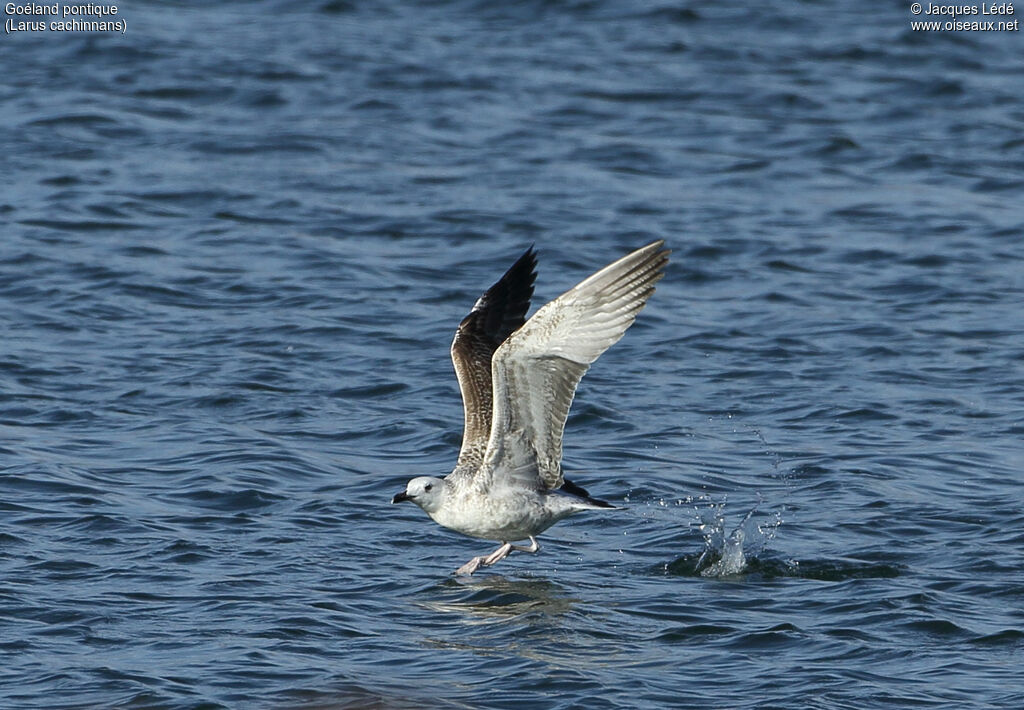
(496,314)
(535,372)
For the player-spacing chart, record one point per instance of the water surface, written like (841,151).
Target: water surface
(236,242)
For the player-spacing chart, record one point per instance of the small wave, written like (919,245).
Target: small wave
(694,565)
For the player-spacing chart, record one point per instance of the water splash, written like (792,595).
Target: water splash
(732,560)
(728,552)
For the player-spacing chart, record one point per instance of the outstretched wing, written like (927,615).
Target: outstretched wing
(537,369)
(499,312)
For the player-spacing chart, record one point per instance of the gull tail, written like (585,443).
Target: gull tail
(581,492)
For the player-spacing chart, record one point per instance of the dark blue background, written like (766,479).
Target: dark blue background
(235,244)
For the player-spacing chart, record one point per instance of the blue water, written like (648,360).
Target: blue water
(235,244)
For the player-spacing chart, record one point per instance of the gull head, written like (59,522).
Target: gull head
(425,491)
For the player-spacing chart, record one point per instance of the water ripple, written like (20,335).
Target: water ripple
(232,263)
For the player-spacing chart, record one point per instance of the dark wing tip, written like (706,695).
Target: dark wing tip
(502,309)
(515,289)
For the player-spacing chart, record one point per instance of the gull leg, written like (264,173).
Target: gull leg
(499,554)
(486,560)
(533,546)
(470,567)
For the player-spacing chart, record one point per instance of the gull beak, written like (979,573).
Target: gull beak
(403,496)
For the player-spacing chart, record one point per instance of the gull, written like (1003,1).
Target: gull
(518,378)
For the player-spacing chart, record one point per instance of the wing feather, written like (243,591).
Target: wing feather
(536,370)
(496,314)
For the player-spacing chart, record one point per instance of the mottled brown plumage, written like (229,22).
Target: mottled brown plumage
(496,315)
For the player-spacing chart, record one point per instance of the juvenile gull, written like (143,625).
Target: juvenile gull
(518,379)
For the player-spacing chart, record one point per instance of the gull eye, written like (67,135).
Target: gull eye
(429,487)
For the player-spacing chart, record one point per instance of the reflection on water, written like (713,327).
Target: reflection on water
(494,597)
(493,616)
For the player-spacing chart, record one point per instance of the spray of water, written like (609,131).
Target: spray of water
(728,550)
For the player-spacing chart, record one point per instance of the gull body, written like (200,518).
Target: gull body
(518,378)
(505,513)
